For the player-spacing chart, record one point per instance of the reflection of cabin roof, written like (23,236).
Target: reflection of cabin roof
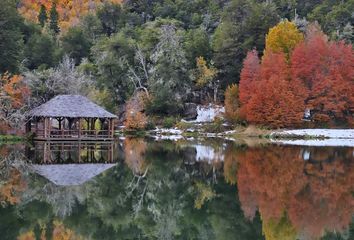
(70,106)
(70,174)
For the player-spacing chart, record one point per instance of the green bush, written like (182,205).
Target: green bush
(150,125)
(169,122)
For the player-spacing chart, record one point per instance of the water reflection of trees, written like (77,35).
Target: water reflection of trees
(161,205)
(12,182)
(312,186)
(160,191)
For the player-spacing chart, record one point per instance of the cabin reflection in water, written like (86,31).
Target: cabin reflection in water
(72,152)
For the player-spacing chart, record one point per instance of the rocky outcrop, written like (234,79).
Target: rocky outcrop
(190,111)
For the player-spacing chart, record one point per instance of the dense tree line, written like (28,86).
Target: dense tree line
(177,51)
(314,74)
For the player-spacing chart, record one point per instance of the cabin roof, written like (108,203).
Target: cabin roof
(70,174)
(73,106)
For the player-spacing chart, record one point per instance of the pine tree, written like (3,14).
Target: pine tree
(11,37)
(54,18)
(42,16)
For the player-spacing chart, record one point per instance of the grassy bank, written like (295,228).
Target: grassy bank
(10,138)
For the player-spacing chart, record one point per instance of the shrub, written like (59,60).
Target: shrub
(215,127)
(232,103)
(135,118)
(169,122)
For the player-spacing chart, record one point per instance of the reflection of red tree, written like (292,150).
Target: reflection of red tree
(273,179)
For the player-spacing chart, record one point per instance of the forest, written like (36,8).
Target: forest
(271,63)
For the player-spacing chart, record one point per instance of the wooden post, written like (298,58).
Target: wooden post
(50,127)
(109,158)
(36,125)
(94,127)
(28,126)
(62,128)
(79,128)
(109,127)
(45,127)
(88,124)
(112,128)
(79,150)
(45,152)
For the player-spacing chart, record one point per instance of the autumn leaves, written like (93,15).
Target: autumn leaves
(70,11)
(297,72)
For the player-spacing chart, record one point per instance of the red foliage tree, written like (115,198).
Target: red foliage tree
(326,68)
(275,99)
(316,194)
(249,75)
(13,94)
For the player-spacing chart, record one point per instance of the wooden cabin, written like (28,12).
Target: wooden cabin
(70,117)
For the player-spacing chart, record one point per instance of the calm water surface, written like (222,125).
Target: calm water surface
(205,189)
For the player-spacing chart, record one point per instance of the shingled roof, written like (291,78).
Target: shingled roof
(70,174)
(73,106)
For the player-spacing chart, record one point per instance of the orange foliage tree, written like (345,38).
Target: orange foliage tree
(11,188)
(134,150)
(317,75)
(273,100)
(13,94)
(326,69)
(70,11)
(315,195)
(59,232)
(135,117)
(249,76)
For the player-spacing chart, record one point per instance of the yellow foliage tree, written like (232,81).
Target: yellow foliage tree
(283,38)
(232,103)
(70,11)
(60,232)
(204,74)
(279,230)
(204,193)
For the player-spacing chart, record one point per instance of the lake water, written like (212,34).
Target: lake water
(198,189)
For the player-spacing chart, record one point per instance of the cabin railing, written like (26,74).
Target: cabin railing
(54,133)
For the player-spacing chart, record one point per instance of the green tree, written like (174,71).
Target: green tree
(40,51)
(112,56)
(333,16)
(197,44)
(243,27)
(11,38)
(54,19)
(169,82)
(112,17)
(76,44)
(92,27)
(42,16)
